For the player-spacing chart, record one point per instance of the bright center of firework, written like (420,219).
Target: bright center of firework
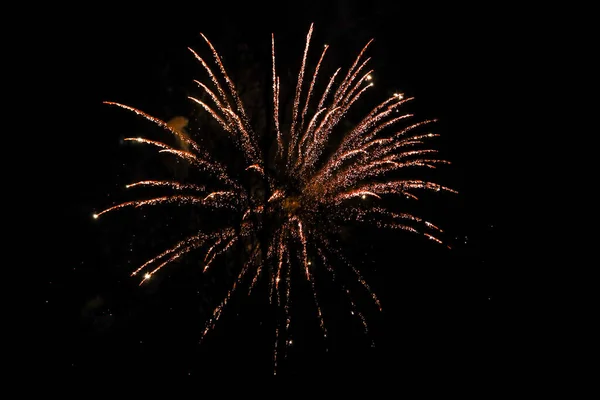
(147,276)
(95,216)
(291,204)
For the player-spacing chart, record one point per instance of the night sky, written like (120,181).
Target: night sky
(444,311)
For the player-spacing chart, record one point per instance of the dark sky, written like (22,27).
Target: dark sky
(444,310)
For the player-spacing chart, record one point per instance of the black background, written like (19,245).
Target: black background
(444,311)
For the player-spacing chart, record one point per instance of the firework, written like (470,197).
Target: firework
(313,190)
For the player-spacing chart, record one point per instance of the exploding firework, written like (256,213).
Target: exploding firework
(309,186)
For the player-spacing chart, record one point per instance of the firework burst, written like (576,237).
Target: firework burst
(308,188)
